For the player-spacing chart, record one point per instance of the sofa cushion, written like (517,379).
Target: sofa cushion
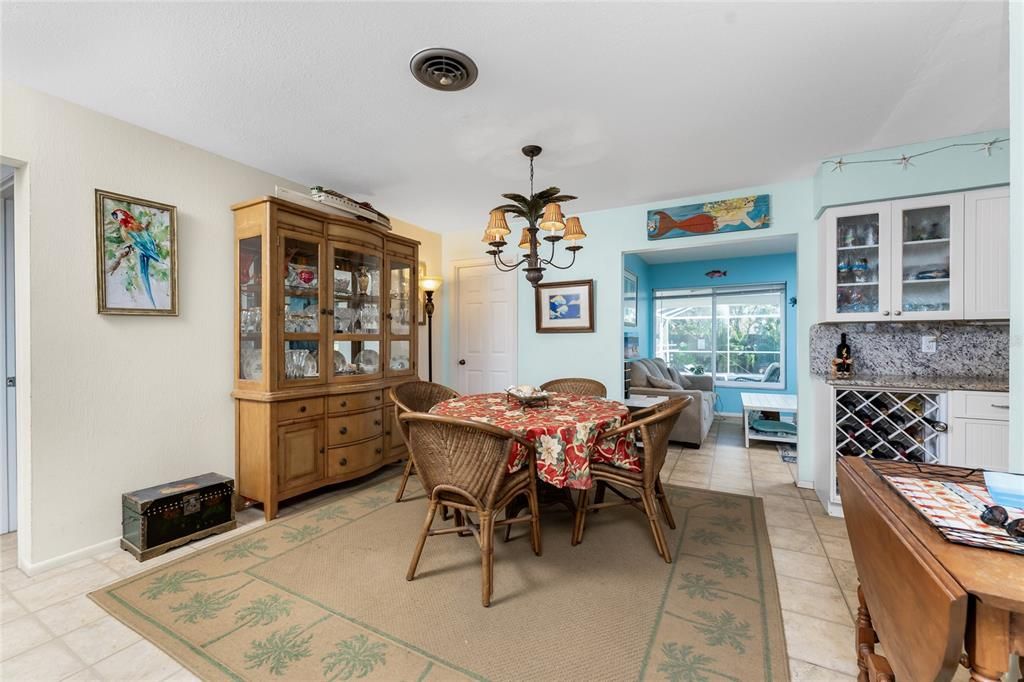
(679,378)
(638,374)
(658,382)
(662,368)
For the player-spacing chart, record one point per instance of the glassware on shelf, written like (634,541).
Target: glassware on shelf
(368,361)
(295,363)
(251,363)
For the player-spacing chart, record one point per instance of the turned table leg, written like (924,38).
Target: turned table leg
(987,641)
(866,638)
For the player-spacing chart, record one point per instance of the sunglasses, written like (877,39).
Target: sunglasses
(997,516)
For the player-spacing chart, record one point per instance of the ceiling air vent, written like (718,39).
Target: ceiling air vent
(443,69)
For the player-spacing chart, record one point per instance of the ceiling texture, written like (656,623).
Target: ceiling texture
(633,103)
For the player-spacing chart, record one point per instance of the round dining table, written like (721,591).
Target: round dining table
(565,432)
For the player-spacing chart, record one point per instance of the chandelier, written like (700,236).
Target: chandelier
(542,211)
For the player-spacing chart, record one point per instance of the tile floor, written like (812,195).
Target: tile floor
(51,630)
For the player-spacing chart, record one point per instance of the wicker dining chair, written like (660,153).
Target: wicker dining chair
(464,465)
(654,430)
(576,385)
(416,396)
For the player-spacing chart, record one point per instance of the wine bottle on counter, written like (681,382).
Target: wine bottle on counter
(842,363)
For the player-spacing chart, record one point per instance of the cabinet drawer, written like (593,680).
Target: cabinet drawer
(288,219)
(355,235)
(350,428)
(979,405)
(354,458)
(300,409)
(354,401)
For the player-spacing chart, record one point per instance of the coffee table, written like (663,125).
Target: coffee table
(771,402)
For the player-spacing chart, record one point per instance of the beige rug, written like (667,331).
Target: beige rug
(322,595)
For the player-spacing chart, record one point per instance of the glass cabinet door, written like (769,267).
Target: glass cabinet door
(926,280)
(356,312)
(250,310)
(401,316)
(301,309)
(858,238)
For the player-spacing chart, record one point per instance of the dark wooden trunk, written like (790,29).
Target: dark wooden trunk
(157,519)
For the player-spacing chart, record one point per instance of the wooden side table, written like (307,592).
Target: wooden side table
(926,599)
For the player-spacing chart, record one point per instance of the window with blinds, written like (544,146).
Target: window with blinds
(736,334)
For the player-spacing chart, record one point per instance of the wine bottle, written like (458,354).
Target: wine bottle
(938,426)
(843,356)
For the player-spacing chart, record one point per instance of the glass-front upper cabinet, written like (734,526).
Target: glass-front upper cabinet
(301,309)
(250,309)
(356,312)
(401,316)
(857,243)
(928,257)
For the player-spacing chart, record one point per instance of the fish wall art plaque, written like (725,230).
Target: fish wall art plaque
(136,256)
(713,217)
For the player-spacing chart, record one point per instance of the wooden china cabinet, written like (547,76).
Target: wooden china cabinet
(325,323)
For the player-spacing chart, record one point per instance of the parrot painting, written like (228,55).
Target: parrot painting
(140,239)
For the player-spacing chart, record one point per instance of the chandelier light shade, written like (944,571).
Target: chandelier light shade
(573,230)
(541,211)
(497,225)
(524,239)
(552,220)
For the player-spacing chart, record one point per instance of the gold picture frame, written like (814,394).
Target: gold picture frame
(136,256)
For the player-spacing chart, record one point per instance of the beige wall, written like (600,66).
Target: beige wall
(118,403)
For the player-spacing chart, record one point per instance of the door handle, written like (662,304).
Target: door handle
(1000,407)
(343,430)
(898,312)
(885,313)
(462,362)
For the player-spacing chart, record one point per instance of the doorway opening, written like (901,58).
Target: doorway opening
(8,406)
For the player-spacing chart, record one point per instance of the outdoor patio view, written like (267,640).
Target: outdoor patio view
(735,334)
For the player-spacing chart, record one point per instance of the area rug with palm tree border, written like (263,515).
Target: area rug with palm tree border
(321,595)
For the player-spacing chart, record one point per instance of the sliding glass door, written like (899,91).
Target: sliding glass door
(736,334)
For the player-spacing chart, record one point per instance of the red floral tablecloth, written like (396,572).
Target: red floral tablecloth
(565,432)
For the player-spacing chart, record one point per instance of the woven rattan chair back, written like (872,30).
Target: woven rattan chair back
(420,396)
(576,385)
(655,430)
(463,458)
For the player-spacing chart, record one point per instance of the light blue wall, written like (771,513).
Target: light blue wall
(643,327)
(773,269)
(1017,236)
(953,170)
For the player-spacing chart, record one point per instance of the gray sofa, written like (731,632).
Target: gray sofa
(695,421)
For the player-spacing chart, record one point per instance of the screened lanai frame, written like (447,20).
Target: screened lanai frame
(709,299)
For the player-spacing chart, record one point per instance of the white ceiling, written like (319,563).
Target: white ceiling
(733,248)
(633,103)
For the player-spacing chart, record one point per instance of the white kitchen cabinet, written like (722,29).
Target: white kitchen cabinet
(986,264)
(979,430)
(928,258)
(937,257)
(858,256)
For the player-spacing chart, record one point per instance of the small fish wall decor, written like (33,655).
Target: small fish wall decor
(715,274)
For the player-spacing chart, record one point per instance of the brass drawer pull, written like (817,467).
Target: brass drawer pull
(344,403)
(377,451)
(376,422)
(343,462)
(377,398)
(302,408)
(343,430)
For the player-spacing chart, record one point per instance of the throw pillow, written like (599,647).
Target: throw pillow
(679,378)
(658,382)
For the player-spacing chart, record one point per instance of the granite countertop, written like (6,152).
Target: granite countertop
(934,383)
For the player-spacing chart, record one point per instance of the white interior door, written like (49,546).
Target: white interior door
(485,351)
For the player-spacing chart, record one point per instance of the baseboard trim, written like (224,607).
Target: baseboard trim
(806,485)
(31,569)
(728,414)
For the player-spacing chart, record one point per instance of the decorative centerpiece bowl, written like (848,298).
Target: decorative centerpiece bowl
(527,396)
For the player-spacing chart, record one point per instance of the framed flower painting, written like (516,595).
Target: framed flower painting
(136,256)
(565,307)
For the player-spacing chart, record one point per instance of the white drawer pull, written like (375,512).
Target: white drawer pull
(1000,407)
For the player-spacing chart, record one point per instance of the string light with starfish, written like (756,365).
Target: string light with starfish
(905,160)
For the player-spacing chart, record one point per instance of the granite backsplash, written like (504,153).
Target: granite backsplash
(979,349)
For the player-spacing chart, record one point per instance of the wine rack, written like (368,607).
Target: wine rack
(895,425)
